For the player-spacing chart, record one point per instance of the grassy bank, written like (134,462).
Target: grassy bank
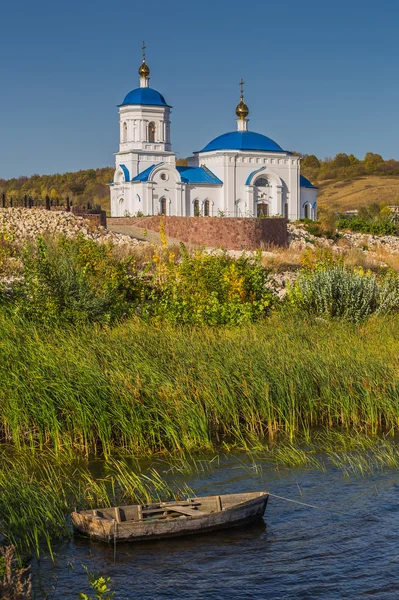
(144,389)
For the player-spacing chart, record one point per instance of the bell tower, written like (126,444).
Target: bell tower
(144,117)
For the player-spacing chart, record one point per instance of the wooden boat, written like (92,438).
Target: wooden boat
(139,522)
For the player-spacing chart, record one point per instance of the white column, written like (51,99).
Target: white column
(242,124)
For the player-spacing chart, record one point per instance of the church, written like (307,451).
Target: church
(238,174)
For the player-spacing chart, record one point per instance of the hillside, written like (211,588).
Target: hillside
(82,187)
(341,188)
(353,193)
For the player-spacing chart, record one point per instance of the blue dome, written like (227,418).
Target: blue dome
(145,96)
(243,140)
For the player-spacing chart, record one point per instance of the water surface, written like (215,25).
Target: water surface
(349,551)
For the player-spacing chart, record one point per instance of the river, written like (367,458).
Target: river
(350,550)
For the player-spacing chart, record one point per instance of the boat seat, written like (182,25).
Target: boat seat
(185,510)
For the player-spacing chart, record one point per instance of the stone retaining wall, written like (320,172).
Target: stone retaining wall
(215,232)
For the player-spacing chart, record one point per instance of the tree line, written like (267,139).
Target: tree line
(82,187)
(346,166)
(90,185)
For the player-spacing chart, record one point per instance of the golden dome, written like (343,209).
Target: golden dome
(144,70)
(242,110)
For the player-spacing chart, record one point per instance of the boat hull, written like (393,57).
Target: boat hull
(137,531)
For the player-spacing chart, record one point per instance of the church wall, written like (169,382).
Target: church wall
(202,193)
(308,196)
(234,167)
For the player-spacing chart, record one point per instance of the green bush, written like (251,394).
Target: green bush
(75,281)
(336,292)
(210,289)
(360,225)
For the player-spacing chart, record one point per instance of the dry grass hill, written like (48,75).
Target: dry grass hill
(353,193)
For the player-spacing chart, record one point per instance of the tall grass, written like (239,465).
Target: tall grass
(38,491)
(145,389)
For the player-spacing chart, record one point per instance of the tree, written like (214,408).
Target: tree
(341,160)
(310,161)
(372,161)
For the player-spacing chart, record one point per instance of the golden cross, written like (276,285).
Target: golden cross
(242,87)
(143,49)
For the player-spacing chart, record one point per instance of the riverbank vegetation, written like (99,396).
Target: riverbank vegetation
(107,354)
(145,389)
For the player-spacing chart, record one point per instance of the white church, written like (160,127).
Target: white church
(238,174)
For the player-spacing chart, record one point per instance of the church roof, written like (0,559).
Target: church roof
(306,183)
(145,96)
(198,175)
(187,175)
(145,175)
(243,140)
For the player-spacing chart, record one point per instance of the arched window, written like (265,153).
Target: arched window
(262,182)
(196,208)
(306,211)
(207,208)
(124,138)
(163,206)
(151,132)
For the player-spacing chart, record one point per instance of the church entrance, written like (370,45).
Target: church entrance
(262,210)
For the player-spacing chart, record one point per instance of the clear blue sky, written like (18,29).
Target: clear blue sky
(321,77)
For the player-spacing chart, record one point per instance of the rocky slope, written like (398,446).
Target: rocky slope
(22,224)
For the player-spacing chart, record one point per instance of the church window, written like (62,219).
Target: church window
(197,211)
(262,182)
(306,213)
(206,208)
(151,132)
(164,177)
(163,206)
(124,132)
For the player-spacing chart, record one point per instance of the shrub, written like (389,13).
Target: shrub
(333,290)
(361,225)
(76,281)
(336,292)
(319,228)
(210,288)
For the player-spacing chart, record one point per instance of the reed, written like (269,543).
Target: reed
(38,491)
(141,389)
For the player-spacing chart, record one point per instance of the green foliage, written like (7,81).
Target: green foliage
(320,228)
(211,289)
(141,388)
(361,225)
(82,186)
(99,585)
(78,281)
(310,161)
(347,166)
(336,292)
(75,281)
(328,289)
(39,490)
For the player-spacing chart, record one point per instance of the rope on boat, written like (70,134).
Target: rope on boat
(311,505)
